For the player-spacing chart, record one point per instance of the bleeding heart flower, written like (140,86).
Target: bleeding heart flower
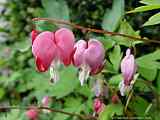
(52,48)
(128,69)
(32,114)
(98,105)
(89,57)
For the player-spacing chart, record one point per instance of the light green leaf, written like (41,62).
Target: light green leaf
(113,17)
(56,9)
(148,73)
(150,2)
(115,57)
(67,83)
(145,8)
(111,110)
(153,20)
(148,65)
(115,80)
(158,82)
(126,28)
(107,42)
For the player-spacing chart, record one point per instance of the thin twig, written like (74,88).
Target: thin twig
(84,117)
(95,30)
(128,100)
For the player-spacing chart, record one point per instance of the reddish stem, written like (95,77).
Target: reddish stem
(95,30)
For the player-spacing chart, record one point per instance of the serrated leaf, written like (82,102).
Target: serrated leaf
(113,17)
(111,110)
(150,2)
(153,20)
(145,8)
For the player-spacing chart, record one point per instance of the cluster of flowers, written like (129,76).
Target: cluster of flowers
(51,49)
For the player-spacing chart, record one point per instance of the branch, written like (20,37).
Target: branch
(95,30)
(84,117)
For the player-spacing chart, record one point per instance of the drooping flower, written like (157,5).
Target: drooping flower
(89,57)
(52,48)
(98,105)
(128,69)
(32,114)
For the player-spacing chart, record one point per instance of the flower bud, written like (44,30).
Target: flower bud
(115,99)
(128,69)
(98,105)
(32,114)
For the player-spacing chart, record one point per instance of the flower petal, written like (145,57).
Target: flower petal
(94,54)
(128,67)
(80,47)
(44,50)
(64,39)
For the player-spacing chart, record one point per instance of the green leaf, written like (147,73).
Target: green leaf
(111,110)
(148,73)
(139,105)
(148,65)
(150,2)
(141,86)
(113,17)
(153,20)
(67,83)
(57,9)
(2,92)
(115,80)
(127,29)
(23,45)
(145,8)
(107,42)
(45,26)
(115,57)
(158,82)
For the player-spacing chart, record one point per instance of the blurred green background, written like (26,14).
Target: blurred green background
(21,84)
